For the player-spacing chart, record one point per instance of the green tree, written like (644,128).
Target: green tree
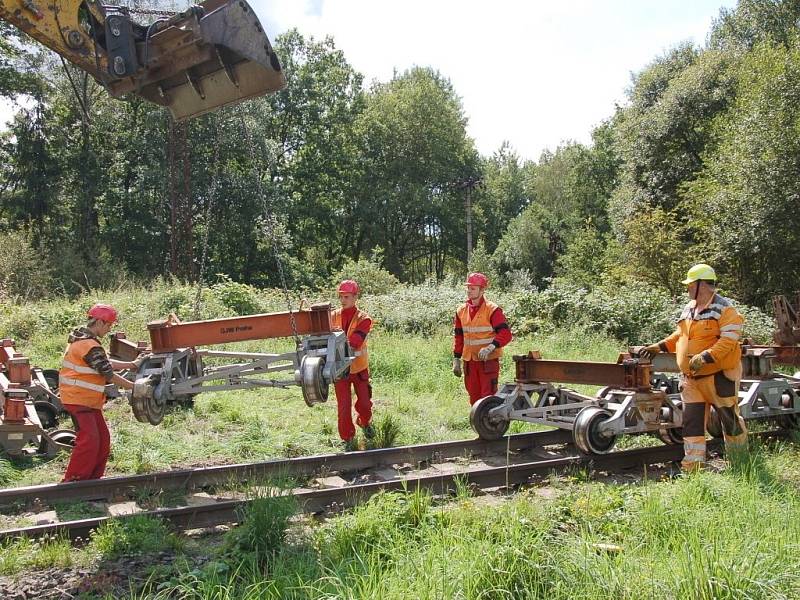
(665,130)
(755,21)
(746,200)
(413,148)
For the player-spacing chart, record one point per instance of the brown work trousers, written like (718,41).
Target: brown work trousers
(721,390)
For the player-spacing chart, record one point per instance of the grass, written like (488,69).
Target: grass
(707,536)
(25,553)
(132,535)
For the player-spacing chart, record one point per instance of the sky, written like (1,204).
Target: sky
(531,72)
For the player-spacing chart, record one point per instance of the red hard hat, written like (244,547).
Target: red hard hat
(477,279)
(103,312)
(348,286)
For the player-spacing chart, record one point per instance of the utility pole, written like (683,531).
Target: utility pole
(468,184)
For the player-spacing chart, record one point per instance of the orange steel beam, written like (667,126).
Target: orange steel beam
(169,335)
(629,374)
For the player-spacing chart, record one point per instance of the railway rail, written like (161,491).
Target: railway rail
(196,478)
(315,501)
(227,511)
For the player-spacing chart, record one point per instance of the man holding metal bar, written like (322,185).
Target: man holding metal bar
(706,343)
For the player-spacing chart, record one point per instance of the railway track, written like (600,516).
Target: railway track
(226,511)
(201,477)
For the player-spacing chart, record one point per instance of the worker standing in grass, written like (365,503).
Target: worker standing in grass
(356,323)
(85,372)
(480,332)
(706,342)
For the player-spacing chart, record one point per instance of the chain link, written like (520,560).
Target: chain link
(209,208)
(269,228)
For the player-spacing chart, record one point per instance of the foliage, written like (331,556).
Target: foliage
(586,259)
(27,554)
(746,199)
(24,273)
(656,251)
(633,312)
(369,273)
(239,298)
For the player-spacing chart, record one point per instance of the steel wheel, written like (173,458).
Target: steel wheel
(151,409)
(47,413)
(672,436)
(586,431)
(315,390)
(601,393)
(65,437)
(51,377)
(486,427)
(714,425)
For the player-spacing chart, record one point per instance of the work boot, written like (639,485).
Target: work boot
(369,431)
(350,445)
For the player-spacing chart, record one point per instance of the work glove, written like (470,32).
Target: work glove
(457,367)
(141,388)
(650,351)
(111,391)
(698,360)
(139,360)
(483,353)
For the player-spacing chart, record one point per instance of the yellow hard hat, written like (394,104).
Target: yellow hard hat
(700,271)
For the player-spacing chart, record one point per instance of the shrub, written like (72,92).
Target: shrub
(372,278)
(25,272)
(634,312)
(240,298)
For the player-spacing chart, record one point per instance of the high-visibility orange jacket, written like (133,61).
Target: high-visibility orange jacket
(478,330)
(357,331)
(78,383)
(717,329)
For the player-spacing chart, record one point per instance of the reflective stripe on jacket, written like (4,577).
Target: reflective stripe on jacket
(78,383)
(478,330)
(717,328)
(362,358)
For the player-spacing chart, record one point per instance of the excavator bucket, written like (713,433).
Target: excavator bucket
(212,55)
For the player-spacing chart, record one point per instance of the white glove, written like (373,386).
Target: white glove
(141,388)
(484,352)
(457,367)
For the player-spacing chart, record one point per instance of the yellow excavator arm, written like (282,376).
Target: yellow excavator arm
(213,54)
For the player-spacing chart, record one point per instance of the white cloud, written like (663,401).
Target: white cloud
(531,72)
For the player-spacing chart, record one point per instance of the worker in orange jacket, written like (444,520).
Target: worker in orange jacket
(706,343)
(85,372)
(356,324)
(480,331)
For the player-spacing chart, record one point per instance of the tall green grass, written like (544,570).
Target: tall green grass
(708,536)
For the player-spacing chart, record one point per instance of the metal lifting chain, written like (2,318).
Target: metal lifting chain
(269,227)
(207,218)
